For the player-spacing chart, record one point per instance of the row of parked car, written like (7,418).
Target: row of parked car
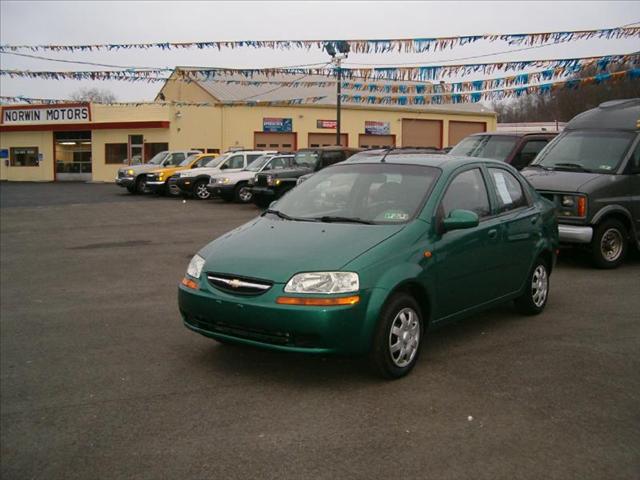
(590,172)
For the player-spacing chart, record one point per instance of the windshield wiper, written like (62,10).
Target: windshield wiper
(284,216)
(537,165)
(572,166)
(329,219)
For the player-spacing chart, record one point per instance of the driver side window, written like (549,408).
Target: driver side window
(467,191)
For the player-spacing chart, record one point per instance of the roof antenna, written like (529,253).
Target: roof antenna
(385,154)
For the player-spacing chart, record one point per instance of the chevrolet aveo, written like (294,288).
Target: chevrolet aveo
(367,255)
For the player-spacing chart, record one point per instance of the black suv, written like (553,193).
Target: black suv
(591,171)
(269,186)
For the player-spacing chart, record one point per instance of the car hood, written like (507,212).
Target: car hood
(275,249)
(168,170)
(287,172)
(140,168)
(557,180)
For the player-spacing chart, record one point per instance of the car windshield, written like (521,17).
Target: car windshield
(158,158)
(375,193)
(496,147)
(258,163)
(188,160)
(214,162)
(586,151)
(308,158)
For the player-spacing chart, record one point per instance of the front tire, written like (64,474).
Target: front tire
(609,244)
(536,292)
(141,185)
(398,337)
(200,190)
(242,193)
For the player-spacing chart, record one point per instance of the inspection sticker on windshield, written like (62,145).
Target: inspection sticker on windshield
(396,216)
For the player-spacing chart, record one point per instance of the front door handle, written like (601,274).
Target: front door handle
(493,233)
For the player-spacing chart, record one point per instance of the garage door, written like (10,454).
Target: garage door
(283,142)
(326,139)
(421,133)
(376,141)
(460,130)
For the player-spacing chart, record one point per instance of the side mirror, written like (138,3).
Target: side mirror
(460,219)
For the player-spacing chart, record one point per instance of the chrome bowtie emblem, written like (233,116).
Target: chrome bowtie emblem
(235,283)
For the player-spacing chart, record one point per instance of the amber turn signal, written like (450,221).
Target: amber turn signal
(318,302)
(582,207)
(187,282)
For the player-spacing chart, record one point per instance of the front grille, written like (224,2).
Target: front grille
(238,285)
(549,196)
(122,173)
(262,181)
(256,334)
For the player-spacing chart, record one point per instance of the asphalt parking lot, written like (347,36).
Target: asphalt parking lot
(99,378)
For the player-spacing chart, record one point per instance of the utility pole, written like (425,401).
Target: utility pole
(338,52)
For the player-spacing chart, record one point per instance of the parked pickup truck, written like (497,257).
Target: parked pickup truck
(194,182)
(235,185)
(158,180)
(269,186)
(134,177)
(591,171)
(516,149)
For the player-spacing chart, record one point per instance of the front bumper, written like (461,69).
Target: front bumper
(220,190)
(185,184)
(125,181)
(263,192)
(575,233)
(260,321)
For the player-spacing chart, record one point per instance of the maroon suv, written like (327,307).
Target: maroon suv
(517,149)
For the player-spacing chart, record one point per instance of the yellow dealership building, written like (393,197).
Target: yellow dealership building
(89,142)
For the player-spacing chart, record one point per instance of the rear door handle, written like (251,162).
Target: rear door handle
(493,233)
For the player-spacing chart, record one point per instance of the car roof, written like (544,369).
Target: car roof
(514,134)
(415,157)
(613,115)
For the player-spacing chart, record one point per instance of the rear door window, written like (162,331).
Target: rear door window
(508,190)
(237,161)
(331,157)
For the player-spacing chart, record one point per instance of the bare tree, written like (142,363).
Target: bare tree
(93,95)
(562,105)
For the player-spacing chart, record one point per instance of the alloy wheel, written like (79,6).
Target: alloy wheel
(404,337)
(539,286)
(245,195)
(201,191)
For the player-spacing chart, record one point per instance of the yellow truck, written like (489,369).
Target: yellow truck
(162,180)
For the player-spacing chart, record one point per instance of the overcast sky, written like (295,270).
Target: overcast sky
(82,22)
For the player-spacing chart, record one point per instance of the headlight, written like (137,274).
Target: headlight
(323,282)
(573,206)
(129,172)
(195,266)
(224,180)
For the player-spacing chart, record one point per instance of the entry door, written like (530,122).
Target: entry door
(72,153)
(467,259)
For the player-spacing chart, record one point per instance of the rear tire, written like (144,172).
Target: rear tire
(200,190)
(536,292)
(398,337)
(609,244)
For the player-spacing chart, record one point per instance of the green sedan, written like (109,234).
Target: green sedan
(367,255)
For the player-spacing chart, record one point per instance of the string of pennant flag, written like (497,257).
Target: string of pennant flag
(405,100)
(405,45)
(477,96)
(559,67)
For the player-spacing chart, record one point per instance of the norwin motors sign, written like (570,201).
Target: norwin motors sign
(37,114)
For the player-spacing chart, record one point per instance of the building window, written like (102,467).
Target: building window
(115,153)
(152,149)
(213,150)
(24,157)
